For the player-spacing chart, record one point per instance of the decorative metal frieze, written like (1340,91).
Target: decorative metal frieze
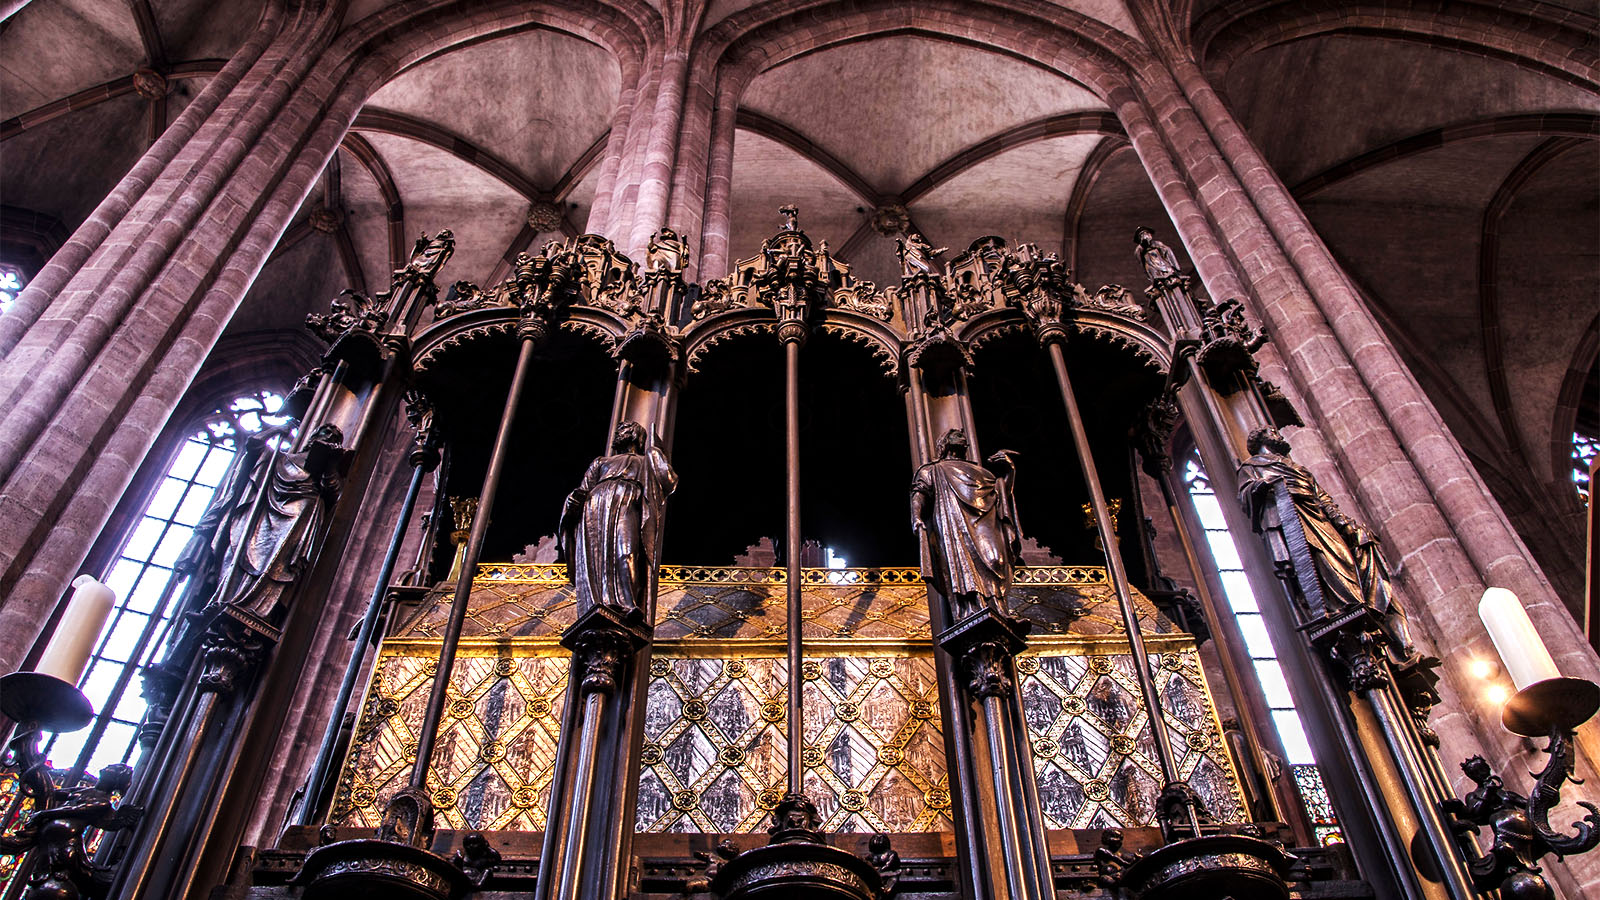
(350,311)
(355,313)
(1094,757)
(587,270)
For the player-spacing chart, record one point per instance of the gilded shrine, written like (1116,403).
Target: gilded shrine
(708,590)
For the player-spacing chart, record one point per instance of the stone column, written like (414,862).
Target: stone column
(88,387)
(1406,473)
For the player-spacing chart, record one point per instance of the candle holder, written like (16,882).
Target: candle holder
(53,834)
(1554,708)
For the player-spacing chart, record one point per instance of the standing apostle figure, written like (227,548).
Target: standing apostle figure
(972,516)
(611,524)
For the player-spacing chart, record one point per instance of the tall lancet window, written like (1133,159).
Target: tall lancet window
(144,565)
(1258,642)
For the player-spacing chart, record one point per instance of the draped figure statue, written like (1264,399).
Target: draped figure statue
(611,524)
(264,527)
(1348,559)
(971,513)
(1157,258)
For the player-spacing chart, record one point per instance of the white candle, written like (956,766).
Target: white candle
(1519,645)
(79,630)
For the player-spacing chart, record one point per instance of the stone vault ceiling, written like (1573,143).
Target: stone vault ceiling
(1460,192)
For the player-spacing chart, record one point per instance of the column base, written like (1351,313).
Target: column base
(380,870)
(1214,867)
(797,870)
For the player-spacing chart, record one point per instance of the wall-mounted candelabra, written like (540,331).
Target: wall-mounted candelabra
(51,844)
(1546,704)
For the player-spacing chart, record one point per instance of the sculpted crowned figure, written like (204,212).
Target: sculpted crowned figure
(1349,562)
(971,513)
(611,524)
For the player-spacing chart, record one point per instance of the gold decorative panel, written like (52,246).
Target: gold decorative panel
(491,766)
(714,756)
(1093,753)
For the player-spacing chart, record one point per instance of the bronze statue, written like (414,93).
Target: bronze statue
(1520,827)
(611,524)
(1158,259)
(1349,562)
(917,256)
(972,515)
(667,251)
(428,254)
(265,523)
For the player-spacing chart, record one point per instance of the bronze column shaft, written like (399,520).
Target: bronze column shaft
(321,398)
(1000,755)
(1119,575)
(594,703)
(437,692)
(321,767)
(198,722)
(791,440)
(1410,758)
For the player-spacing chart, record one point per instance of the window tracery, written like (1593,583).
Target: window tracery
(144,565)
(12,282)
(1585,447)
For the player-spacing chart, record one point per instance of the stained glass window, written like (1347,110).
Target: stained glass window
(143,568)
(140,578)
(1585,448)
(1258,643)
(11,284)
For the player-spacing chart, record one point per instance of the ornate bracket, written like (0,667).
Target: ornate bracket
(1521,825)
(53,832)
(791,280)
(985,646)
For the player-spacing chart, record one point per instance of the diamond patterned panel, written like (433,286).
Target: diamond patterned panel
(491,766)
(1093,754)
(518,601)
(714,756)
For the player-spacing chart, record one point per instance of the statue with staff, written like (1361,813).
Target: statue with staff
(967,514)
